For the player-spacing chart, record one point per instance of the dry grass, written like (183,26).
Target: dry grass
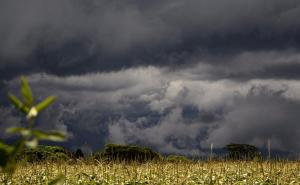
(239,172)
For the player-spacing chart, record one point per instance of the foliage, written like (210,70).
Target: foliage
(178,158)
(242,151)
(79,153)
(29,137)
(44,153)
(127,153)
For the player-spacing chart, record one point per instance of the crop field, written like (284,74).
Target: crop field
(211,172)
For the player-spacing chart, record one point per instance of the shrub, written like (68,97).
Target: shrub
(41,153)
(127,153)
(177,158)
(242,152)
(79,154)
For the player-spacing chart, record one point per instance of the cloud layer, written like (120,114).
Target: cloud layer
(173,75)
(168,111)
(75,37)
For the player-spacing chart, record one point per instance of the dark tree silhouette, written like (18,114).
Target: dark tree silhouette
(241,151)
(43,152)
(127,153)
(79,153)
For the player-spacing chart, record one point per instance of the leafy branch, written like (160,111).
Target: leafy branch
(29,137)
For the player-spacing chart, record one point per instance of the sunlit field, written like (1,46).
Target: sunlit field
(212,172)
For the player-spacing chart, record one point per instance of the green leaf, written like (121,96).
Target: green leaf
(58,137)
(3,158)
(11,165)
(17,148)
(45,103)
(51,136)
(58,180)
(85,174)
(18,130)
(5,147)
(4,153)
(17,103)
(26,91)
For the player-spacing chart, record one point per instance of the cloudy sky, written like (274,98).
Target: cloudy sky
(172,75)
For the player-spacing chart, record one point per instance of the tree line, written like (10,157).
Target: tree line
(127,153)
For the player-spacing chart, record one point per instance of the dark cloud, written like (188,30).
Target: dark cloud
(173,75)
(75,37)
(261,115)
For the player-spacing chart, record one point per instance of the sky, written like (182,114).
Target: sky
(172,75)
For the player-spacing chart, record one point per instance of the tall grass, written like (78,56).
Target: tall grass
(161,172)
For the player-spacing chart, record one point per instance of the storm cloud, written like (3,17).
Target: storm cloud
(71,37)
(172,75)
(168,111)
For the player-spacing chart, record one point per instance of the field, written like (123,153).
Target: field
(211,172)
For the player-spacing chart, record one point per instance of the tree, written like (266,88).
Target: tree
(79,153)
(44,152)
(241,151)
(127,153)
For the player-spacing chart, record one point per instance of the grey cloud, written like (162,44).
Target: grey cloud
(170,135)
(233,16)
(9,118)
(75,37)
(174,75)
(262,113)
(169,111)
(258,117)
(40,29)
(263,64)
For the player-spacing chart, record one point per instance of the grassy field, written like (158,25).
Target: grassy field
(214,172)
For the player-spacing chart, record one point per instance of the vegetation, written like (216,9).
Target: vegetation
(242,152)
(29,137)
(177,158)
(161,173)
(79,153)
(44,153)
(127,153)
